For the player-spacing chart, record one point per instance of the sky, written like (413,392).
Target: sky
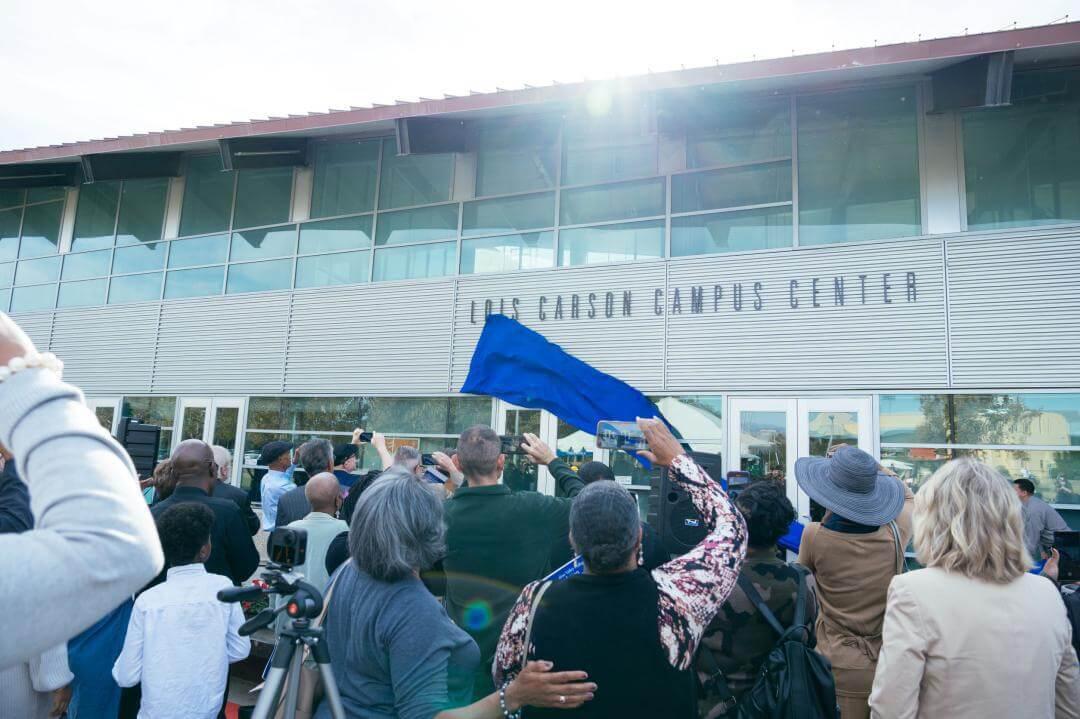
(84,70)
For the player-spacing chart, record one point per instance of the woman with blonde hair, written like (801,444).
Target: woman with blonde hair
(973,634)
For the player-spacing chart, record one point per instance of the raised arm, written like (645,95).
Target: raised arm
(95,543)
(694,586)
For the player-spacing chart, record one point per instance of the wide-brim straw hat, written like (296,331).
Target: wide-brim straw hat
(852,486)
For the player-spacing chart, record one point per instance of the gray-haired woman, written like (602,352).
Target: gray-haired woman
(394,650)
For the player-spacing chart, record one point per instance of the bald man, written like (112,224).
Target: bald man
(323,492)
(232,553)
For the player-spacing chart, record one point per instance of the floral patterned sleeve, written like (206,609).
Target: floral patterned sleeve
(511,646)
(694,586)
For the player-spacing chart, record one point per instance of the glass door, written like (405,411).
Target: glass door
(214,420)
(105,409)
(825,422)
(519,473)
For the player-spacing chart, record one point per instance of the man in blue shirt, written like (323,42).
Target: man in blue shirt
(345,465)
(276,456)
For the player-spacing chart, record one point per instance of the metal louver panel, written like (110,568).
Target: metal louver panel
(38,327)
(107,349)
(1014,308)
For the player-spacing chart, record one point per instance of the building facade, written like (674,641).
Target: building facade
(786,254)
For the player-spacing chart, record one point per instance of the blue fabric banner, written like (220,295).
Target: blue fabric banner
(520,366)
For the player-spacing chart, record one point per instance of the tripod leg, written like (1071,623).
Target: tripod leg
(275,680)
(292,694)
(330,687)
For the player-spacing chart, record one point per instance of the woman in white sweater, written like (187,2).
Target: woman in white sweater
(93,543)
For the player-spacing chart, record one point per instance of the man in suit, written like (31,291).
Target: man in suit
(224,490)
(232,553)
(316,456)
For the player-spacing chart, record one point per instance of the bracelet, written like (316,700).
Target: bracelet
(32,360)
(507,714)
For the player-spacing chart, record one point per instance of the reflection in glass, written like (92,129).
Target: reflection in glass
(736,187)
(858,166)
(7,274)
(95,217)
(11,198)
(520,474)
(625,200)
(263,197)
(915,418)
(259,276)
(763,444)
(37,297)
(82,294)
(828,429)
(198,282)
(139,258)
(264,243)
(193,423)
(516,157)
(83,265)
(914,465)
(601,154)
(208,194)
(698,419)
(729,132)
(341,268)
(105,417)
(1056,475)
(207,250)
(5,298)
(30,272)
(44,194)
(135,288)
(142,211)
(150,410)
(225,422)
(314,414)
(421,225)
(505,254)
(346,233)
(414,179)
(345,175)
(9,233)
(415,261)
(741,231)
(527,212)
(41,229)
(611,243)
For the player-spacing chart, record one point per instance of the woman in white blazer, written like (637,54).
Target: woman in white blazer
(973,634)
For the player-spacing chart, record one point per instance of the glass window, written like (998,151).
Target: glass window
(597,154)
(505,254)
(914,418)
(7,274)
(1056,475)
(263,197)
(259,244)
(611,243)
(41,229)
(858,166)
(10,221)
(435,415)
(489,217)
(32,272)
(699,419)
(82,294)
(139,258)
(731,231)
(84,265)
(199,282)
(5,298)
(135,288)
(346,233)
(11,198)
(626,200)
(95,217)
(1034,419)
(730,132)
(208,194)
(259,276)
(420,225)
(415,261)
(1022,162)
(153,410)
(206,250)
(29,299)
(311,414)
(44,194)
(735,187)
(515,158)
(342,268)
(345,175)
(414,179)
(142,211)
(914,465)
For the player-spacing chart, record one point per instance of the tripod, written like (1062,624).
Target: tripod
(304,603)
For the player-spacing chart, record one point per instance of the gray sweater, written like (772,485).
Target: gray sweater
(94,543)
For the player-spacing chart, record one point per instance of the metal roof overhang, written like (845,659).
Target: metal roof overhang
(1045,45)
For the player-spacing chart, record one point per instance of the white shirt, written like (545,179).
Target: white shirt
(180,642)
(273,485)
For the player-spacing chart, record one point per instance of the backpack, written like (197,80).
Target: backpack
(794,681)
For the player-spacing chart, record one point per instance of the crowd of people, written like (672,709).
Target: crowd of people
(438,601)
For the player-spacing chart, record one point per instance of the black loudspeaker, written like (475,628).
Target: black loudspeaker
(141,443)
(672,512)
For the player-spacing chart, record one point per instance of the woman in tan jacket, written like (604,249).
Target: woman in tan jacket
(973,635)
(854,552)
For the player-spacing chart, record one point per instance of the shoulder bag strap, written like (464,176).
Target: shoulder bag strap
(901,565)
(748,587)
(326,599)
(532,617)
(800,598)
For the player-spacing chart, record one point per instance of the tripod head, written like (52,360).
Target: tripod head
(304,601)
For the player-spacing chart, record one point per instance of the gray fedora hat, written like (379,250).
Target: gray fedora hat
(852,486)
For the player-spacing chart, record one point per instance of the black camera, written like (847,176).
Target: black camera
(287,547)
(511,443)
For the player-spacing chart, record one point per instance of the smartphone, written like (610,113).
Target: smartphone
(366,436)
(1068,546)
(433,475)
(428,460)
(511,443)
(627,436)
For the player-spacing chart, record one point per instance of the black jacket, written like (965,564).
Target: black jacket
(232,553)
(239,497)
(291,506)
(15,513)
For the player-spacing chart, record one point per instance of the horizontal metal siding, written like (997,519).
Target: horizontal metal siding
(1015,310)
(382,339)
(38,327)
(631,348)
(222,345)
(107,350)
(777,347)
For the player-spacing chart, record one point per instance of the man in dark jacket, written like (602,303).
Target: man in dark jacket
(224,490)
(232,553)
(15,515)
(315,456)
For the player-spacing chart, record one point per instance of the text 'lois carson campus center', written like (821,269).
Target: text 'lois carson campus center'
(878,247)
